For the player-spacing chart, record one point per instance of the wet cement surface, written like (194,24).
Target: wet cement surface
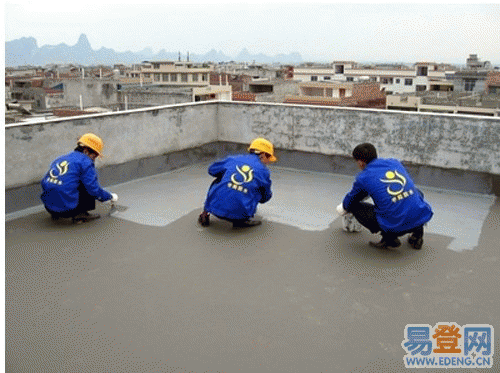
(148,290)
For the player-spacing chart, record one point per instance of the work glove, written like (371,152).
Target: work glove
(114,198)
(340,209)
(350,224)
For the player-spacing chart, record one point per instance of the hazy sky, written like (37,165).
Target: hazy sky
(399,32)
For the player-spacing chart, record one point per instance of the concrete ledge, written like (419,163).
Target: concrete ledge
(24,197)
(430,176)
(28,196)
(451,179)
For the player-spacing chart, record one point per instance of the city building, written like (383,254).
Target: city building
(239,82)
(422,86)
(135,96)
(74,90)
(176,73)
(256,72)
(470,81)
(273,90)
(493,83)
(187,75)
(394,79)
(474,63)
(447,102)
(257,83)
(475,90)
(348,94)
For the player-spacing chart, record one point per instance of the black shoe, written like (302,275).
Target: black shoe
(204,219)
(85,217)
(416,242)
(383,244)
(246,223)
(416,239)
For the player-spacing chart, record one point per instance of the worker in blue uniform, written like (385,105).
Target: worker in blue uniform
(241,183)
(71,185)
(398,207)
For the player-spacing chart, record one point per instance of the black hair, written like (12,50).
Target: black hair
(253,151)
(80,148)
(365,152)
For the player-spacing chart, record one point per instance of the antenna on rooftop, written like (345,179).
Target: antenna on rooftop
(179,56)
(188,57)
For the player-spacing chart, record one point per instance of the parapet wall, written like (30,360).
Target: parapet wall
(467,143)
(127,135)
(459,147)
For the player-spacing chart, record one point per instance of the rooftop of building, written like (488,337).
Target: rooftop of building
(147,289)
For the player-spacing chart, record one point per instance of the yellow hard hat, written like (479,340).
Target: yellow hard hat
(263,145)
(92,141)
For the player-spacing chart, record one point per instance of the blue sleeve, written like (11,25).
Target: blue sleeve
(265,188)
(357,194)
(91,183)
(217,169)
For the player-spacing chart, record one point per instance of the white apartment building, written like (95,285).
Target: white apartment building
(176,73)
(185,74)
(423,77)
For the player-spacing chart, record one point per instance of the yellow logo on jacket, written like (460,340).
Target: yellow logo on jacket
(241,176)
(396,187)
(61,169)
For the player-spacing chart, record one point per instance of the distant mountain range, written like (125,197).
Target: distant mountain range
(25,51)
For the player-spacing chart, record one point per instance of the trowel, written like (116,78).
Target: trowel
(115,207)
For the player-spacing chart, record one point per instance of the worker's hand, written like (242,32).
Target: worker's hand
(340,209)
(114,198)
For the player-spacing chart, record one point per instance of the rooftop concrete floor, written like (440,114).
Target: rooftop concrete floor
(148,290)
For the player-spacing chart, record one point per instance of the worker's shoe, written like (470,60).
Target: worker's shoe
(246,223)
(386,244)
(204,219)
(85,217)
(416,239)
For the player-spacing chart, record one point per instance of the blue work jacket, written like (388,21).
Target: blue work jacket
(399,205)
(60,184)
(242,182)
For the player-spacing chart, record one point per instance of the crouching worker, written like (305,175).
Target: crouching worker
(399,207)
(71,186)
(242,182)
